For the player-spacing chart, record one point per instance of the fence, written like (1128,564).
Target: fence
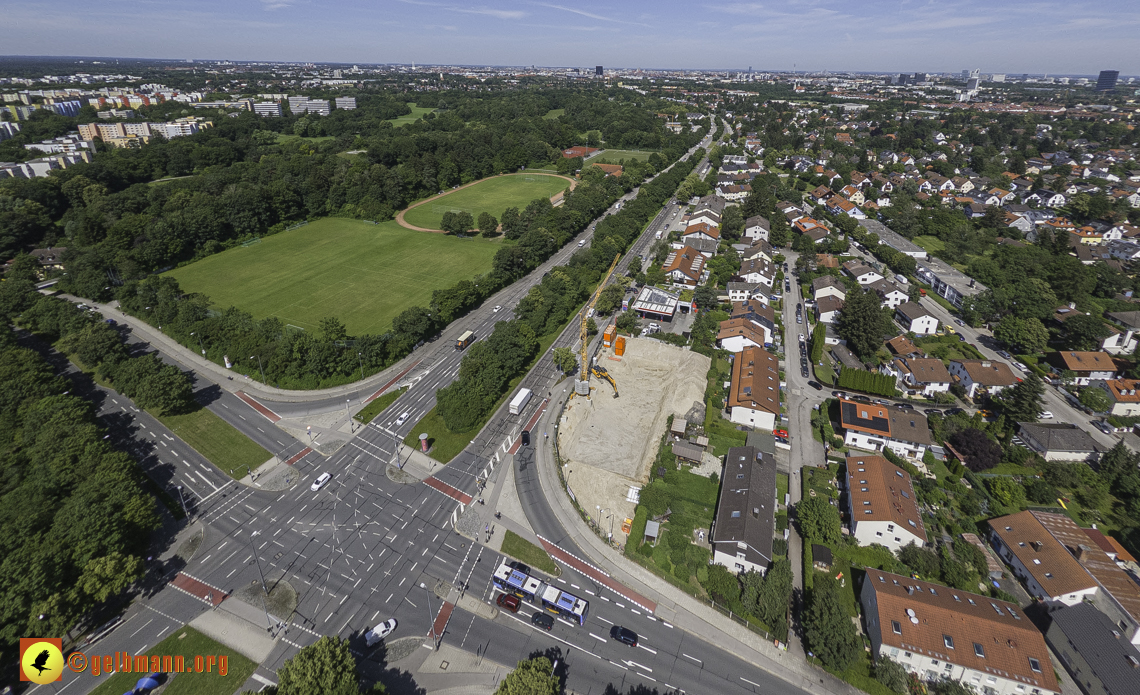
(296,226)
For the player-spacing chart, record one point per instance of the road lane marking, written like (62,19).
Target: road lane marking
(692,657)
(602,639)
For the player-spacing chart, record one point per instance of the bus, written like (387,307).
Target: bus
(464,340)
(564,604)
(512,581)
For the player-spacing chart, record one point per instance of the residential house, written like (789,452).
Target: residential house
(893,239)
(927,376)
(838,206)
(742,534)
(734,193)
(827,308)
(745,291)
(947,281)
(759,314)
(1126,334)
(701,230)
(828,286)
(901,346)
(853,194)
(939,633)
(1062,441)
(737,334)
(685,267)
(1048,570)
(863,274)
(889,293)
(882,505)
(805,225)
(754,391)
(707,247)
(757,270)
(982,375)
(1085,366)
(1089,646)
(757,228)
(758,249)
(873,427)
(915,318)
(1122,395)
(820,193)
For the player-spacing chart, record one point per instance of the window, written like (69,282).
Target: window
(862,482)
(866,503)
(906,496)
(879,534)
(896,626)
(908,654)
(1021,544)
(894,652)
(863,489)
(1035,665)
(911,522)
(1048,575)
(866,511)
(971,602)
(739,476)
(736,515)
(739,567)
(957,599)
(862,470)
(1036,561)
(979,651)
(890,527)
(948,641)
(899,473)
(898,540)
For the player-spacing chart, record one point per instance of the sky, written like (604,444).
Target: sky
(996,36)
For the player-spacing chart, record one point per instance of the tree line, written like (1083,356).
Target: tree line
(74,514)
(489,366)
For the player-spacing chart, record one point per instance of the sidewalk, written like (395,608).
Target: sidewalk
(675,606)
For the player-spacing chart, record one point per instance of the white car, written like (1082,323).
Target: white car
(1045,415)
(380,632)
(320,481)
(403,418)
(497,309)
(801,337)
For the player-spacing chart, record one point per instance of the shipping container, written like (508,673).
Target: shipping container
(520,400)
(619,346)
(608,336)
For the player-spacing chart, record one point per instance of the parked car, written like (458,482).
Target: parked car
(623,635)
(1103,426)
(1005,355)
(907,406)
(816,385)
(320,481)
(1045,415)
(380,632)
(799,318)
(508,602)
(933,411)
(542,620)
(960,322)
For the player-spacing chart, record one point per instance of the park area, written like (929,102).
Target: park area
(491,195)
(364,274)
(616,156)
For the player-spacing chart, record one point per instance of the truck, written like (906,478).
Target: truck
(464,340)
(519,401)
(658,234)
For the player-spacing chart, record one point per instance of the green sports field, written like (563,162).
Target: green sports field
(491,195)
(364,274)
(614,156)
(416,114)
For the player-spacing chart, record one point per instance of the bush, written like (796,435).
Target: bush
(981,452)
(867,382)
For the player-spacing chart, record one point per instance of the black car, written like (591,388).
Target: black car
(907,406)
(815,385)
(623,635)
(526,438)
(521,567)
(542,620)
(932,411)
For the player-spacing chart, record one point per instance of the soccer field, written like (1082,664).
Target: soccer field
(614,156)
(491,195)
(364,274)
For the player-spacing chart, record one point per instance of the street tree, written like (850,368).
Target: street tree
(609,299)
(1022,403)
(488,225)
(1025,336)
(1084,332)
(326,666)
(1095,399)
(531,677)
(565,359)
(705,298)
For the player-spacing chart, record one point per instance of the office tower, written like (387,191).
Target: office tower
(598,71)
(1107,80)
(972,84)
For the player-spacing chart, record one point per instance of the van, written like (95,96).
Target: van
(658,235)
(581,243)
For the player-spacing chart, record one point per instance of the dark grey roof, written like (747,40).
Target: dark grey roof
(912,310)
(763,442)
(1131,319)
(1090,634)
(746,512)
(687,451)
(821,554)
(1059,436)
(847,358)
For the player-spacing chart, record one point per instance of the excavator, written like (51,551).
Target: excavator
(582,386)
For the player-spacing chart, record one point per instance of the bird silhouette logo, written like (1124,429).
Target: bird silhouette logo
(41,660)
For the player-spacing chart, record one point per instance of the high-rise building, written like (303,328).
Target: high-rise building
(972,84)
(902,78)
(346,103)
(997,77)
(920,77)
(1107,80)
(267,109)
(598,71)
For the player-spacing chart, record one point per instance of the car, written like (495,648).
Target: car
(497,309)
(839,394)
(508,602)
(542,620)
(780,433)
(804,373)
(380,632)
(1045,415)
(109,322)
(1005,355)
(1103,426)
(880,401)
(526,437)
(816,385)
(520,566)
(961,338)
(933,411)
(403,418)
(960,322)
(801,337)
(862,399)
(320,481)
(907,406)
(623,635)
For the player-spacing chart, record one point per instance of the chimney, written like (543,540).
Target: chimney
(1037,545)
(1072,305)
(986,364)
(1084,553)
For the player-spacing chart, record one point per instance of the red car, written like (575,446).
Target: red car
(509,602)
(780,433)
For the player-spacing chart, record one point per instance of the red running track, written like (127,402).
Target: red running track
(269,414)
(199,589)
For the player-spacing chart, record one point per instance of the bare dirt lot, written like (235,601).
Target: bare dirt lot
(620,435)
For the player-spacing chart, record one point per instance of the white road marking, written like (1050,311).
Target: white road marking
(602,639)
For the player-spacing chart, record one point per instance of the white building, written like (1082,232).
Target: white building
(754,392)
(882,504)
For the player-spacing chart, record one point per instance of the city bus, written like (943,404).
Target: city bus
(566,605)
(513,581)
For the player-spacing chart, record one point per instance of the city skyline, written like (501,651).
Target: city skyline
(807,35)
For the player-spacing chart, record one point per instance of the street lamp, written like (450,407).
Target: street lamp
(183,501)
(258,560)
(603,510)
(435,638)
(261,368)
(360,359)
(200,343)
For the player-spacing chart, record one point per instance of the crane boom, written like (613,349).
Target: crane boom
(583,385)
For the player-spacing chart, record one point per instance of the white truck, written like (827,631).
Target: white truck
(519,401)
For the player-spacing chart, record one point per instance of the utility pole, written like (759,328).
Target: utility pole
(258,560)
(199,343)
(261,368)
(427,592)
(360,359)
(183,501)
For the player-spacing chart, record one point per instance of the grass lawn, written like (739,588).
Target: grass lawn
(416,114)
(364,274)
(189,643)
(282,137)
(491,195)
(612,156)
(521,549)
(931,244)
(217,440)
(554,113)
(948,347)
(377,406)
(825,372)
(781,486)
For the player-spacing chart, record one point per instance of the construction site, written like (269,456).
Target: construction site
(610,443)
